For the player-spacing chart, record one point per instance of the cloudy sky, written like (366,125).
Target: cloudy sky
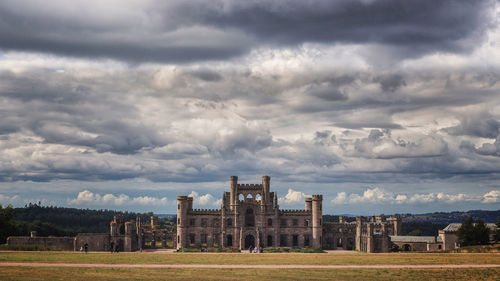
(382,106)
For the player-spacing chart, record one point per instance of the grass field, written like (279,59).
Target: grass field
(30,273)
(95,273)
(253,259)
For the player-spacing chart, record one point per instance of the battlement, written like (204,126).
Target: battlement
(247,186)
(295,212)
(205,212)
(317,197)
(182,197)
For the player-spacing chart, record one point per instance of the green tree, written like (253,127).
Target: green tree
(481,233)
(465,233)
(471,233)
(6,226)
(497,234)
(416,232)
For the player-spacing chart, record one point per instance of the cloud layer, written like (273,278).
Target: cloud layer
(317,94)
(380,196)
(180,31)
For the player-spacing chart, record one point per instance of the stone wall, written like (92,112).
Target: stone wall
(95,241)
(55,243)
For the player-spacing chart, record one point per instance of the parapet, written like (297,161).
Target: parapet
(182,197)
(317,197)
(249,186)
(295,212)
(205,212)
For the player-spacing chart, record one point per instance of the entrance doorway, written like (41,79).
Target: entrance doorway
(249,241)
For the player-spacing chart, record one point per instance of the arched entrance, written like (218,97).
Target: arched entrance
(406,247)
(249,241)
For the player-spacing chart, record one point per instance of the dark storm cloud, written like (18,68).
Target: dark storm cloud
(206,74)
(479,125)
(390,83)
(62,111)
(198,30)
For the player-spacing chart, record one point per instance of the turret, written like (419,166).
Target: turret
(317,215)
(266,186)
(308,204)
(396,222)
(129,228)
(154,222)
(182,220)
(234,191)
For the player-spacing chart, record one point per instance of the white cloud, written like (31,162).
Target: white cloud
(491,197)
(380,196)
(88,198)
(292,197)
(204,200)
(341,198)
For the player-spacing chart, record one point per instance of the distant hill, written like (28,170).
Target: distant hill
(452,217)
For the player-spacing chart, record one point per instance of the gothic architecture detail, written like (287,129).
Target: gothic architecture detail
(250,217)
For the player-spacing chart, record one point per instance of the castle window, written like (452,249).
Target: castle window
(295,222)
(192,222)
(258,197)
(249,196)
(269,222)
(306,240)
(178,221)
(229,222)
(204,222)
(178,206)
(178,239)
(204,237)
(306,223)
(283,240)
(229,238)
(192,239)
(283,222)
(319,221)
(241,197)
(295,240)
(269,240)
(249,218)
(216,240)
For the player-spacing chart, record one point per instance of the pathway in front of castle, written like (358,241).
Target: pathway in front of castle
(389,266)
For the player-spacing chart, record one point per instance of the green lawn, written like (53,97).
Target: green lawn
(30,273)
(252,259)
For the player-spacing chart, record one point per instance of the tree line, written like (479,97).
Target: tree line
(61,221)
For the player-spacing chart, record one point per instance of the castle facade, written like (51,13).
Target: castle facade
(250,217)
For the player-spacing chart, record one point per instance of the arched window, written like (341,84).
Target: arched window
(269,222)
(269,240)
(249,196)
(249,218)
(241,197)
(229,222)
(258,197)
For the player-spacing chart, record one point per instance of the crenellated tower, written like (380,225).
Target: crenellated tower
(183,204)
(317,220)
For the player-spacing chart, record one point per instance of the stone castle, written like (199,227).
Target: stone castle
(250,217)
